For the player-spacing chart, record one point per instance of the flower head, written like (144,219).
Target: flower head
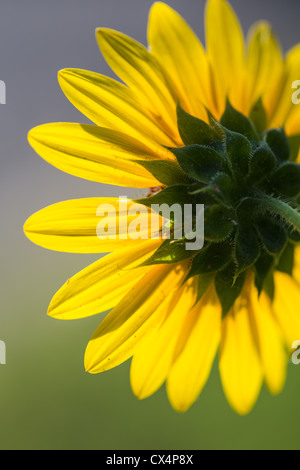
(214,127)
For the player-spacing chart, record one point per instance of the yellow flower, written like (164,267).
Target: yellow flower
(167,312)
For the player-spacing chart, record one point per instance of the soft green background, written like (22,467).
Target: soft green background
(47,401)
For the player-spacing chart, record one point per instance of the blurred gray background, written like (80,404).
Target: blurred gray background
(46,398)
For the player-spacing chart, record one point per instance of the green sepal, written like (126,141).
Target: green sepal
(294,142)
(286,260)
(169,252)
(199,162)
(262,163)
(246,250)
(286,179)
(279,144)
(271,233)
(238,151)
(166,172)
(259,117)
(218,223)
(219,189)
(262,268)
(229,287)
(195,131)
(237,122)
(216,125)
(211,259)
(177,194)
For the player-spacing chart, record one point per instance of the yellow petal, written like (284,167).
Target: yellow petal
(284,102)
(240,366)
(264,61)
(111,104)
(286,307)
(133,63)
(226,53)
(296,272)
(182,57)
(153,359)
(102,285)
(191,370)
(292,125)
(94,153)
(93,225)
(270,342)
(142,309)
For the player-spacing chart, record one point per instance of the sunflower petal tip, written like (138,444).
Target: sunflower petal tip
(61,74)
(104,33)
(240,407)
(26,226)
(243,412)
(180,407)
(138,390)
(91,369)
(277,388)
(89,364)
(87,367)
(32,134)
(50,312)
(157,5)
(29,135)
(99,30)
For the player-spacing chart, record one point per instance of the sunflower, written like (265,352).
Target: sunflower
(215,126)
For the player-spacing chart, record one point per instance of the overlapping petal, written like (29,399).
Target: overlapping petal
(133,63)
(284,103)
(102,285)
(111,104)
(286,307)
(269,340)
(226,54)
(265,68)
(154,357)
(292,125)
(142,309)
(240,366)
(94,153)
(182,58)
(191,370)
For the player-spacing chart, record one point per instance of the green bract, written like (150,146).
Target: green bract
(249,184)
